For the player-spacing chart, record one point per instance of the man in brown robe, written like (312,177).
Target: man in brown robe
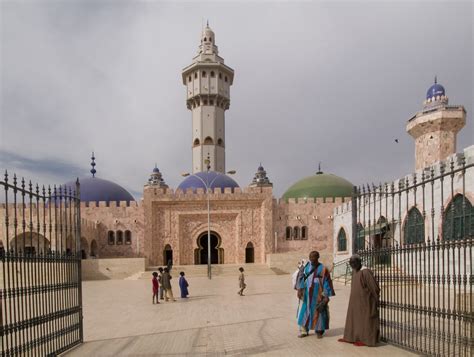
(362,321)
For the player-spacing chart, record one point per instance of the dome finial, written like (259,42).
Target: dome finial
(93,170)
(319,169)
(207,23)
(436,79)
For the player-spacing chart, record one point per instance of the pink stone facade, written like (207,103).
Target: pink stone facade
(178,219)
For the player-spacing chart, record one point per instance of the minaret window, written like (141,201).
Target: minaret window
(205,39)
(205,102)
(220,142)
(195,75)
(225,79)
(220,75)
(213,74)
(211,102)
(208,141)
(189,79)
(196,142)
(204,74)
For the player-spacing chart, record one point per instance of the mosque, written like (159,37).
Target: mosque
(246,223)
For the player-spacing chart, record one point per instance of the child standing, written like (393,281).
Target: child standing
(242,284)
(160,273)
(166,279)
(183,285)
(156,285)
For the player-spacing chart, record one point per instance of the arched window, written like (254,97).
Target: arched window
(119,238)
(205,39)
(225,79)
(211,102)
(128,237)
(208,141)
(213,74)
(414,230)
(458,220)
(296,233)
(341,240)
(304,232)
(205,102)
(210,39)
(360,240)
(288,233)
(189,79)
(196,142)
(195,75)
(111,237)
(220,75)
(220,142)
(204,74)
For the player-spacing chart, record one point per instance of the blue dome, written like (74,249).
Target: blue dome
(212,178)
(435,90)
(156,169)
(96,189)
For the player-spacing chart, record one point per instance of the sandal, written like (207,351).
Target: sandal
(301,335)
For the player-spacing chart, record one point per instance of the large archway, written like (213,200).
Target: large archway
(30,243)
(201,253)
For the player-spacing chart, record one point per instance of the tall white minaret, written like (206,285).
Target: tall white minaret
(208,82)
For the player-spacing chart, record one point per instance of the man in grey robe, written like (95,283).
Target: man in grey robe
(362,321)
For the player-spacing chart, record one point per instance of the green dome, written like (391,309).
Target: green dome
(320,185)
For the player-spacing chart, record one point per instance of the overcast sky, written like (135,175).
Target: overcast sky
(333,82)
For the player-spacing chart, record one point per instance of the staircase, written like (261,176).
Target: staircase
(217,270)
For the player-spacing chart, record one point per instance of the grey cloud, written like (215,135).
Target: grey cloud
(315,81)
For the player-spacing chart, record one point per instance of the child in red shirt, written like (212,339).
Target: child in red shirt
(156,285)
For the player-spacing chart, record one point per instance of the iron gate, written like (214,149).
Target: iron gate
(417,236)
(41,297)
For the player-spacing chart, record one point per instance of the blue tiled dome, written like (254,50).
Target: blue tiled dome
(96,189)
(211,178)
(435,90)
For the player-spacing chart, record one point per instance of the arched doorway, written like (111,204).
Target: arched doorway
(94,249)
(201,253)
(167,254)
(30,243)
(249,253)
(84,248)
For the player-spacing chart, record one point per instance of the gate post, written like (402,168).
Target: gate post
(79,257)
(354,220)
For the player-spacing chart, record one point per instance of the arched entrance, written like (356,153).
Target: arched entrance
(167,255)
(249,253)
(201,253)
(94,248)
(84,248)
(30,243)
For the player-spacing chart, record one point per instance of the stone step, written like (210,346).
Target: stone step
(217,270)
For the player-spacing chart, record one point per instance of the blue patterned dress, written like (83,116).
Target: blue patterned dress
(316,286)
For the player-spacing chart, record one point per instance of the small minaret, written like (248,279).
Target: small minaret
(208,82)
(261,179)
(435,127)
(156,179)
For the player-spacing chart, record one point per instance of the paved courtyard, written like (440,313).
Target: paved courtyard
(120,320)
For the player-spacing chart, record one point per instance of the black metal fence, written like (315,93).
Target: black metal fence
(40,277)
(417,236)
